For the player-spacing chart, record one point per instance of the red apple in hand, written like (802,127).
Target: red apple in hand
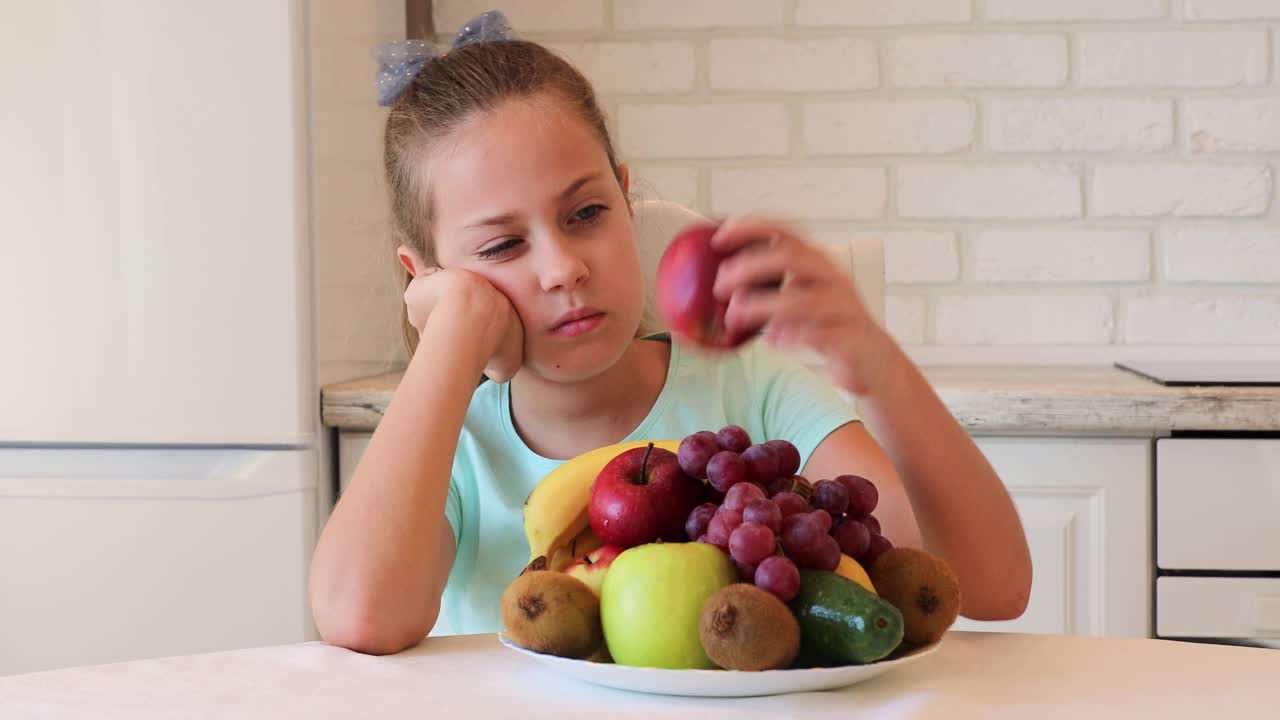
(642,496)
(591,568)
(686,276)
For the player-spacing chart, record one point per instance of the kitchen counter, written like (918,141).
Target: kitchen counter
(972,675)
(990,399)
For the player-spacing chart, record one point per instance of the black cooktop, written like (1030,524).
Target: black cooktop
(1200,372)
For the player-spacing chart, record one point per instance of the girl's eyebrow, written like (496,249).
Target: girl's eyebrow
(495,220)
(506,218)
(576,184)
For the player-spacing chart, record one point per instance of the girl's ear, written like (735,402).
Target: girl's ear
(410,259)
(624,180)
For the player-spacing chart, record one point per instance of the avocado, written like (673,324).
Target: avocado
(841,622)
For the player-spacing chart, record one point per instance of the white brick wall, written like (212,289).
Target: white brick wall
(1080,125)
(1216,254)
(988,191)
(807,192)
(633,67)
(1233,124)
(954,60)
(703,14)
(824,13)
(1194,59)
(1024,319)
(1231,9)
(912,257)
(528,16)
(1190,190)
(905,318)
(793,65)
(1048,174)
(919,256)
(873,127)
(1061,10)
(1204,320)
(703,131)
(1061,256)
(664,182)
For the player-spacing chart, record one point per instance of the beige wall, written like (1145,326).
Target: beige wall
(357,303)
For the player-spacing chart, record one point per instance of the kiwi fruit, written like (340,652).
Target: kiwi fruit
(552,613)
(923,588)
(745,628)
(601,655)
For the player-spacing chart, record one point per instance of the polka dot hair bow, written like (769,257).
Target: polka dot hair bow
(400,61)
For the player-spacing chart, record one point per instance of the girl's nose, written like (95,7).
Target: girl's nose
(559,265)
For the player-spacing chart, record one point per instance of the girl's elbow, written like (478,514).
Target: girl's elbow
(1007,601)
(995,609)
(365,630)
(1012,604)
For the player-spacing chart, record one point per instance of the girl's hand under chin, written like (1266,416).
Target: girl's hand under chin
(485,314)
(779,281)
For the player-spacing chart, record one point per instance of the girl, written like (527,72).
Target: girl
(517,236)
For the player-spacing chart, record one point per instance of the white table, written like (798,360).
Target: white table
(977,675)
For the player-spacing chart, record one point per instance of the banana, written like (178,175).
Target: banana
(585,543)
(555,513)
(851,569)
(560,558)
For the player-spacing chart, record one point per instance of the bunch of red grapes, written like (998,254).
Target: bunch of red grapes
(770,521)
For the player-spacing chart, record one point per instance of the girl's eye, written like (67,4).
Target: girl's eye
(499,248)
(589,213)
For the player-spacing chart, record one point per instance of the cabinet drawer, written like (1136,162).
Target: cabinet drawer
(1217,501)
(1218,607)
(109,555)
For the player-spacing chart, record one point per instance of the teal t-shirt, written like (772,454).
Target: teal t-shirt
(770,395)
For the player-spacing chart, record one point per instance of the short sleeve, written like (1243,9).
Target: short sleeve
(797,403)
(453,510)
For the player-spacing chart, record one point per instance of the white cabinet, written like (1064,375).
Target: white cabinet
(1084,505)
(1217,540)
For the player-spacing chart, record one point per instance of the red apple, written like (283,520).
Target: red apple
(642,496)
(591,568)
(686,276)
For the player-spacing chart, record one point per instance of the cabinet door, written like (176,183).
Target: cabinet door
(1084,504)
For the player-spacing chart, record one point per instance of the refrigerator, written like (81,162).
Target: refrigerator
(158,407)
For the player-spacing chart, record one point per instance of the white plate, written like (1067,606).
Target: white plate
(719,683)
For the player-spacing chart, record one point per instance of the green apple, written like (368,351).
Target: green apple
(652,599)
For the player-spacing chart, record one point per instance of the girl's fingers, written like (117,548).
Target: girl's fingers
(759,266)
(758,308)
(742,230)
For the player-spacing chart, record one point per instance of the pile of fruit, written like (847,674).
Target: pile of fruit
(711,552)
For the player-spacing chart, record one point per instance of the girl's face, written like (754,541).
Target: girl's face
(525,197)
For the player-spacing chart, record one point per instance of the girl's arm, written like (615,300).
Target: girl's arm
(937,491)
(936,486)
(383,558)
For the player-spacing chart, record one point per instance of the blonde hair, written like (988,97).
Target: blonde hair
(445,94)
